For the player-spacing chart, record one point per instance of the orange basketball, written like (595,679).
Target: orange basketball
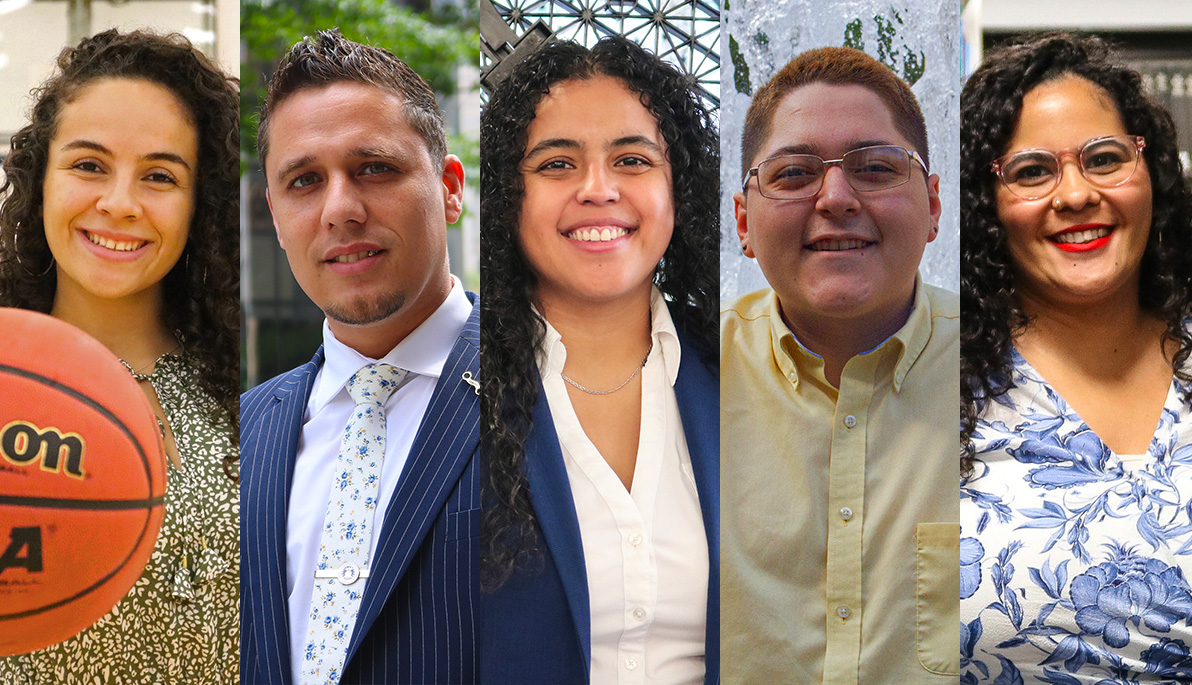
(82,481)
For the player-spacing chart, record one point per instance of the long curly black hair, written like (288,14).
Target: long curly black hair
(989,108)
(510,333)
(201,292)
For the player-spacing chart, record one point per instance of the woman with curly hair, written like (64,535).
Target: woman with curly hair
(1076,422)
(120,216)
(599,177)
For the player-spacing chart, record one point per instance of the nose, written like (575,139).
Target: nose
(1074,190)
(119,199)
(598,186)
(342,204)
(836,197)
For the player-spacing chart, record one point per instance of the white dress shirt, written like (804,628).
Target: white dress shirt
(645,550)
(423,353)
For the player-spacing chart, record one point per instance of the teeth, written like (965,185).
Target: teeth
(117,245)
(1082,236)
(354,257)
(837,245)
(597,235)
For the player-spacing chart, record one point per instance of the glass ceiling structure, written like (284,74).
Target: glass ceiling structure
(685,33)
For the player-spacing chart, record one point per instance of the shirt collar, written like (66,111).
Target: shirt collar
(908,342)
(553,354)
(423,352)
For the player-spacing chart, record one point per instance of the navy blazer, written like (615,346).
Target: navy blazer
(536,627)
(418,616)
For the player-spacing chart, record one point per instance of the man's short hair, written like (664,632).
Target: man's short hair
(834,67)
(329,58)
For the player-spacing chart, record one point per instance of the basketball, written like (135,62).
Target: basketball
(82,481)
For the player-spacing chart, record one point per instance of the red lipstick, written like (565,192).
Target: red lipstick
(1094,244)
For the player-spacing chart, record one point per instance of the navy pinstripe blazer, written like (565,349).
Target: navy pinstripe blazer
(536,627)
(418,615)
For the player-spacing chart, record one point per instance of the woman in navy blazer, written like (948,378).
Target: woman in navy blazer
(599,267)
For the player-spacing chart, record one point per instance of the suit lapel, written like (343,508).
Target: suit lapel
(444,445)
(267,485)
(697,392)
(550,493)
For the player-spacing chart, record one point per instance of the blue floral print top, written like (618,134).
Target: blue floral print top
(1074,561)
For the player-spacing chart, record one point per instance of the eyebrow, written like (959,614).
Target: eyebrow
(364,152)
(152,156)
(806,149)
(288,168)
(375,151)
(570,144)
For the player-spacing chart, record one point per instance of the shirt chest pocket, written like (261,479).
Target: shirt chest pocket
(937,597)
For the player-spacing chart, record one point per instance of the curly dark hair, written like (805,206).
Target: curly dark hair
(200,300)
(687,274)
(990,105)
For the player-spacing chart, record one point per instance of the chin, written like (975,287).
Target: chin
(366,311)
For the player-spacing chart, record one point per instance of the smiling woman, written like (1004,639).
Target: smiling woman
(1075,374)
(598,261)
(119,216)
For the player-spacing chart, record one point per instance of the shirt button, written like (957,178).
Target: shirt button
(843,612)
(639,613)
(846,513)
(631,663)
(793,377)
(850,420)
(635,539)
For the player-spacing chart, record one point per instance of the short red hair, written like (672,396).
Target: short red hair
(835,67)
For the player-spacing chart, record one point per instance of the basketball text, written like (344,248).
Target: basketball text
(22,443)
(23,551)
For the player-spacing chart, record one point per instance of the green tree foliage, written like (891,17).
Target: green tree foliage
(269,27)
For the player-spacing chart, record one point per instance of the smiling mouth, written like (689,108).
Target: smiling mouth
(115,245)
(354,257)
(838,245)
(598,235)
(1082,236)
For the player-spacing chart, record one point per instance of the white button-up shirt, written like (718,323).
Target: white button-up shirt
(423,353)
(646,550)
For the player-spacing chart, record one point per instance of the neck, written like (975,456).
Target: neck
(131,327)
(1091,335)
(837,340)
(376,340)
(608,334)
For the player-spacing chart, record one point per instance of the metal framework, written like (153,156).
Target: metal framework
(685,33)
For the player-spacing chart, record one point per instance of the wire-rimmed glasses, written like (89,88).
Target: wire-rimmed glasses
(798,177)
(1105,162)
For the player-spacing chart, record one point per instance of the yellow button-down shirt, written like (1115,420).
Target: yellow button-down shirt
(839,508)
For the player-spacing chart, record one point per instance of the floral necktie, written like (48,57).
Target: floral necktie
(347,528)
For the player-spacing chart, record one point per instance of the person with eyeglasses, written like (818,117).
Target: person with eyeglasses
(839,536)
(1076,384)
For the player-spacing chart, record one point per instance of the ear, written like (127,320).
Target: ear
(742,224)
(933,205)
(453,187)
(276,228)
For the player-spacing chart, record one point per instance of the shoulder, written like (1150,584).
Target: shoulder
(945,315)
(745,315)
(944,303)
(252,399)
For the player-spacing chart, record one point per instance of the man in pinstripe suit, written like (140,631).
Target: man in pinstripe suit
(361,189)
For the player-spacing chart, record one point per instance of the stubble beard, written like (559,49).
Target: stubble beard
(366,311)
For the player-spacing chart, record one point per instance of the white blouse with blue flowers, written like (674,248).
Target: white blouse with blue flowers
(1074,561)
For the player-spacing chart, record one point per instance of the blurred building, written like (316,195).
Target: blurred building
(33,32)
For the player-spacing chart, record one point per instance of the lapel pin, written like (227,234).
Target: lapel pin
(472,382)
